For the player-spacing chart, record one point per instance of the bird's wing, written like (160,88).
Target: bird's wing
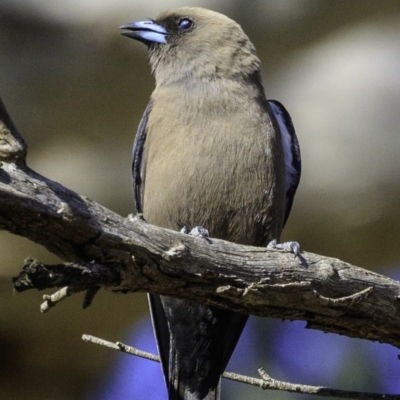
(138,162)
(291,151)
(161,331)
(160,323)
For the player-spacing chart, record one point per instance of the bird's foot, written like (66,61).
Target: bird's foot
(198,231)
(291,247)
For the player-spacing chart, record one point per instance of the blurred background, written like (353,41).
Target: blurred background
(76,90)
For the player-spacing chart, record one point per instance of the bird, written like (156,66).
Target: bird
(210,151)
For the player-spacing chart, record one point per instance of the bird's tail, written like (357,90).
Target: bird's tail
(195,343)
(178,388)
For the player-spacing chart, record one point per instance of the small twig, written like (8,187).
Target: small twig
(121,346)
(266,383)
(51,300)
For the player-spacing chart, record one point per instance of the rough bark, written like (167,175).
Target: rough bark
(103,249)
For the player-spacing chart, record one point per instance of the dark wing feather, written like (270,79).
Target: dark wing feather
(291,151)
(160,323)
(138,161)
(161,331)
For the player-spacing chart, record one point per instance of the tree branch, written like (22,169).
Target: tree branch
(128,255)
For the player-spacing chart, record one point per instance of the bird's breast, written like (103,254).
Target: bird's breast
(214,163)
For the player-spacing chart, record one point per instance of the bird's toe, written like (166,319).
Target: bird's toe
(196,231)
(200,231)
(291,247)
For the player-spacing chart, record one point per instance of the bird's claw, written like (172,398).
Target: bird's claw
(184,230)
(291,247)
(198,231)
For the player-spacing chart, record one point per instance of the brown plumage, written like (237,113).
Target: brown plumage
(208,152)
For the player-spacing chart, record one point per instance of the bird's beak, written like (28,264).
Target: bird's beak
(145,31)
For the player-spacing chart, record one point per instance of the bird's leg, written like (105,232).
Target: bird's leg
(292,247)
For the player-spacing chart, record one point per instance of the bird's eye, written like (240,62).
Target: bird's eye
(185,24)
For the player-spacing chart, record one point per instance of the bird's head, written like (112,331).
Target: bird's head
(195,43)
